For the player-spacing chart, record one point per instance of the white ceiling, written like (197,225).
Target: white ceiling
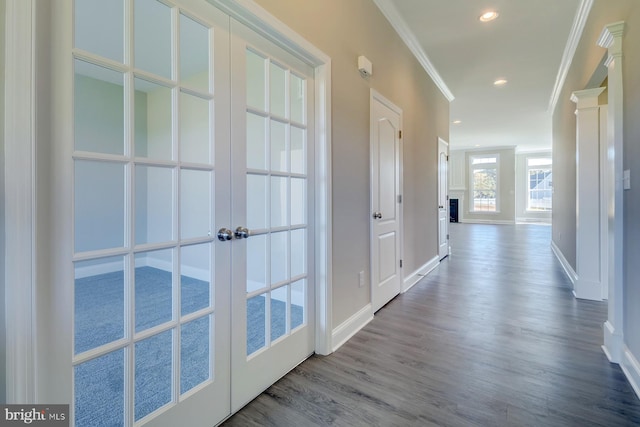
(524,45)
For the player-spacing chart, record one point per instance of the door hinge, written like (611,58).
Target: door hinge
(400,263)
(447,237)
(447,197)
(399,198)
(447,157)
(399,134)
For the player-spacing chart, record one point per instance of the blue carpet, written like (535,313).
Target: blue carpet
(99,319)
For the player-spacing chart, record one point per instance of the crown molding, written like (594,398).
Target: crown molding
(575,34)
(398,23)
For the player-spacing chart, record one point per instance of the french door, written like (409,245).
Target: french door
(272,189)
(190,163)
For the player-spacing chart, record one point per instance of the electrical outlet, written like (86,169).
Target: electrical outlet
(361,279)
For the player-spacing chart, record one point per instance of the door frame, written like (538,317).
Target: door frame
(377,96)
(26,228)
(441,141)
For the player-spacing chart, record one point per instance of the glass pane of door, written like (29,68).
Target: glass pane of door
(151,301)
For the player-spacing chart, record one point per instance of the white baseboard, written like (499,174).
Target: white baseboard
(587,289)
(415,277)
(571,274)
(351,326)
(631,369)
(97,269)
(613,343)
(488,221)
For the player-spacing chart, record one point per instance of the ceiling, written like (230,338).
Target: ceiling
(525,45)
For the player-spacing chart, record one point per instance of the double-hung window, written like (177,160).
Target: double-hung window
(483,174)
(539,184)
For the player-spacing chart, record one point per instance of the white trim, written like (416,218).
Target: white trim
(588,285)
(95,270)
(631,368)
(613,344)
(575,35)
(470,169)
(374,95)
(611,39)
(351,326)
(258,19)
(19,201)
(395,19)
(421,272)
(571,274)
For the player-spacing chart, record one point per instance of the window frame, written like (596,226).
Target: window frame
(527,168)
(472,168)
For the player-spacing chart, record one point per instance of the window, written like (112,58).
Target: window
(484,183)
(539,177)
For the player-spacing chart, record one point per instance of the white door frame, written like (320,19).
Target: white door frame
(375,95)
(23,51)
(446,201)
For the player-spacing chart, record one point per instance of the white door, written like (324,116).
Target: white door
(443,198)
(386,214)
(153,176)
(272,211)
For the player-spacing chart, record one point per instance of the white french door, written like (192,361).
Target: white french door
(188,181)
(272,150)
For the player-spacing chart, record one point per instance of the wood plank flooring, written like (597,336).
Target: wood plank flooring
(492,337)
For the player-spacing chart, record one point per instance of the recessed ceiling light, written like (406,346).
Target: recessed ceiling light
(457,122)
(500,82)
(488,16)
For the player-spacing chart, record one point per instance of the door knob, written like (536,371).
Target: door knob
(377,215)
(224,234)
(242,233)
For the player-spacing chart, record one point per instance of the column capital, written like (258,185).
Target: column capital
(587,98)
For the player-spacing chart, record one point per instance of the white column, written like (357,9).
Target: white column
(588,285)
(611,39)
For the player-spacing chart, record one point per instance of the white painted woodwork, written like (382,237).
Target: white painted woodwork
(20,218)
(588,285)
(252,374)
(611,39)
(443,199)
(386,164)
(606,193)
(50,224)
(257,18)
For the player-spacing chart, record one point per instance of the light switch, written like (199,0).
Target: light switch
(626,180)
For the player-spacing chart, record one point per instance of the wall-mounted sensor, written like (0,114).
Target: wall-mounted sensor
(364,66)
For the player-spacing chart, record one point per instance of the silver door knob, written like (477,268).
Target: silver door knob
(242,233)
(224,234)
(377,215)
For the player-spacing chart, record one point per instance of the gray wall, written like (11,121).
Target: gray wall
(585,63)
(3,352)
(344,30)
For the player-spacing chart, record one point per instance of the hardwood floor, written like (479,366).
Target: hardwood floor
(492,337)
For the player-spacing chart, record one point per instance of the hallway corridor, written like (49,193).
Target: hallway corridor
(492,337)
